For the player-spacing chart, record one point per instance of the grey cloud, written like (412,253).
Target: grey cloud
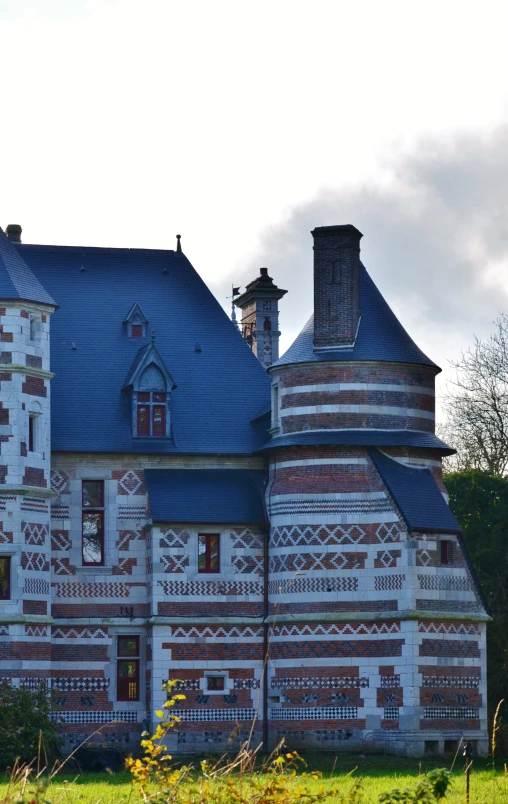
(430,232)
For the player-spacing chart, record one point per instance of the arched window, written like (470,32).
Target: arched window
(151,403)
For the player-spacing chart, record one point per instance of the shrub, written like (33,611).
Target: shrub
(26,728)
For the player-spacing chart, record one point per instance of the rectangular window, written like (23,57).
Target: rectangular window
(275,406)
(34,328)
(158,420)
(143,420)
(31,433)
(151,414)
(136,330)
(445,552)
(127,668)
(208,552)
(215,683)
(93,522)
(5,578)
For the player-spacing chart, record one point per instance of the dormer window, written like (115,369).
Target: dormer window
(136,322)
(150,385)
(151,403)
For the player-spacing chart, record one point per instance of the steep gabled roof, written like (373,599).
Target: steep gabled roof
(146,355)
(17,281)
(232,496)
(135,314)
(416,495)
(381,336)
(221,387)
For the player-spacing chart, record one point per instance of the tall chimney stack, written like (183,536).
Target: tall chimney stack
(13,232)
(336,286)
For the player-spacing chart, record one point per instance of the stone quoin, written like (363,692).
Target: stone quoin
(178,501)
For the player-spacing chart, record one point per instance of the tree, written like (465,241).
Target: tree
(476,406)
(25,724)
(480,504)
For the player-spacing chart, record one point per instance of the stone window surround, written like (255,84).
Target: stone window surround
(110,519)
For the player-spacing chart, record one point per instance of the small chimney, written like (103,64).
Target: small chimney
(336,286)
(13,232)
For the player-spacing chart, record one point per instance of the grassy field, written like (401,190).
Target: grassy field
(379,774)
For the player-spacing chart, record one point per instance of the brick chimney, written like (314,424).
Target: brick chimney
(336,286)
(13,232)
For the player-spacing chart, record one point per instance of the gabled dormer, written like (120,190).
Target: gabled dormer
(136,322)
(150,384)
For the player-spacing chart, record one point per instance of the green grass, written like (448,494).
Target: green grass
(379,773)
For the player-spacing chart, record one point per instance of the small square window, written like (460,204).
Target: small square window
(136,330)
(5,578)
(208,552)
(215,683)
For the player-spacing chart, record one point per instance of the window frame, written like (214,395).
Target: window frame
(97,510)
(207,569)
(275,405)
(124,682)
(213,677)
(7,594)
(157,401)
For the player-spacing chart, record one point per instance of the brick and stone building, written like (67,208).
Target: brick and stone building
(278,540)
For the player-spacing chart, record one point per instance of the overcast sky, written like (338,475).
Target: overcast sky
(243,125)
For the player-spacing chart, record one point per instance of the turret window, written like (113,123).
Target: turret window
(34,428)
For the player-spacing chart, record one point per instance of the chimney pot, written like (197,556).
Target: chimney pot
(13,232)
(336,286)
(263,271)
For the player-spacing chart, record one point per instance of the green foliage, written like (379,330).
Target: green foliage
(26,729)
(430,788)
(229,781)
(480,504)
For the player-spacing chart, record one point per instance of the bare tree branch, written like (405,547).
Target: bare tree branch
(476,405)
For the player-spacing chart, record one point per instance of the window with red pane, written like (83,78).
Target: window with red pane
(151,413)
(5,578)
(208,552)
(127,668)
(136,330)
(92,494)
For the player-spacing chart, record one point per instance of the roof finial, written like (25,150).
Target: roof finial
(178,244)
(153,336)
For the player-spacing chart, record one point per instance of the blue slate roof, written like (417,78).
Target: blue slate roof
(16,279)
(229,496)
(220,388)
(361,437)
(381,336)
(416,494)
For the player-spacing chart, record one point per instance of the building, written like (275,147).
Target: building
(279,541)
